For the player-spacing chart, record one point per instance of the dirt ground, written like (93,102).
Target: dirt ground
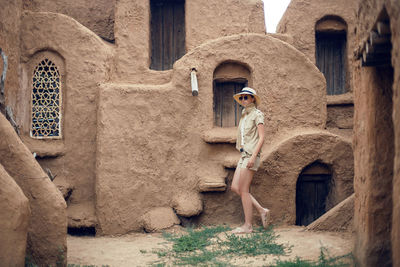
(135,249)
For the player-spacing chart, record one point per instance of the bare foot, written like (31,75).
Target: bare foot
(265,217)
(242,230)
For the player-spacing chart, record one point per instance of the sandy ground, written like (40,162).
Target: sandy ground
(135,249)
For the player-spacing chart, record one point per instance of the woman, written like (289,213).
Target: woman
(249,142)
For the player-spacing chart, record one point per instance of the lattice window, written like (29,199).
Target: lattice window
(46,106)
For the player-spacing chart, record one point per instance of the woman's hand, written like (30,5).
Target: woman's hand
(251,162)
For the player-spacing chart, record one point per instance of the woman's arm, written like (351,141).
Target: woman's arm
(261,134)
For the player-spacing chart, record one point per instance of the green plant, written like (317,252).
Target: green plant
(74,265)
(60,256)
(29,261)
(194,240)
(260,242)
(324,260)
(204,248)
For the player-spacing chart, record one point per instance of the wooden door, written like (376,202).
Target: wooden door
(330,57)
(227,111)
(167,33)
(311,194)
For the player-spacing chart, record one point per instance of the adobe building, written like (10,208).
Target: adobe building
(130,112)
(368,68)
(33,211)
(324,32)
(376,133)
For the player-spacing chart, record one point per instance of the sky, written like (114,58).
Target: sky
(274,10)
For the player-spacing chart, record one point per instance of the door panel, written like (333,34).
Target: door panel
(311,194)
(226,111)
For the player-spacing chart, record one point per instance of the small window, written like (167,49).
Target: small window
(46,101)
(167,33)
(226,111)
(330,52)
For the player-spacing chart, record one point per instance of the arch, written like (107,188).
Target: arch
(228,79)
(275,182)
(331,23)
(231,71)
(294,82)
(46,100)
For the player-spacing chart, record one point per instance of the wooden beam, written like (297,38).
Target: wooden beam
(375,38)
(383,28)
(378,48)
(375,59)
(375,64)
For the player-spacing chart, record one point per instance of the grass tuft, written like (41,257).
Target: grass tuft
(204,248)
(324,260)
(260,242)
(194,240)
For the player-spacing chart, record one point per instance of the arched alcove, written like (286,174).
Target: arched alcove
(46,101)
(229,78)
(330,52)
(46,83)
(312,192)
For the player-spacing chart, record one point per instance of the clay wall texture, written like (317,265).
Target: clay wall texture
(96,15)
(82,68)
(376,146)
(46,34)
(168,120)
(47,232)
(14,221)
(301,17)
(299,22)
(42,233)
(132,33)
(274,185)
(10,14)
(135,142)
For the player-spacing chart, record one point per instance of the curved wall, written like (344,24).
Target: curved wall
(97,15)
(83,62)
(14,221)
(301,17)
(47,233)
(151,146)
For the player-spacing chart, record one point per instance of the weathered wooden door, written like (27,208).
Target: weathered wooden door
(330,57)
(167,33)
(311,194)
(226,111)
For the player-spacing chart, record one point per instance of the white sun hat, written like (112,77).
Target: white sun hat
(248,91)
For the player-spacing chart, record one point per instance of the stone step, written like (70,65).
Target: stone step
(211,185)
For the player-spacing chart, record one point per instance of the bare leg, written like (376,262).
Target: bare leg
(235,181)
(246,177)
(235,187)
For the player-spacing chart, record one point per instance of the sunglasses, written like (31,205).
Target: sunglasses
(244,97)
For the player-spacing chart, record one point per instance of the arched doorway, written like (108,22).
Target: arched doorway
(312,190)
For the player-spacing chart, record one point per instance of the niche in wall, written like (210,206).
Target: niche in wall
(330,53)
(229,79)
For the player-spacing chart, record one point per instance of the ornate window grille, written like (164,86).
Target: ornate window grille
(46,101)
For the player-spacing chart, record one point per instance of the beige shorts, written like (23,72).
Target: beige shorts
(244,159)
